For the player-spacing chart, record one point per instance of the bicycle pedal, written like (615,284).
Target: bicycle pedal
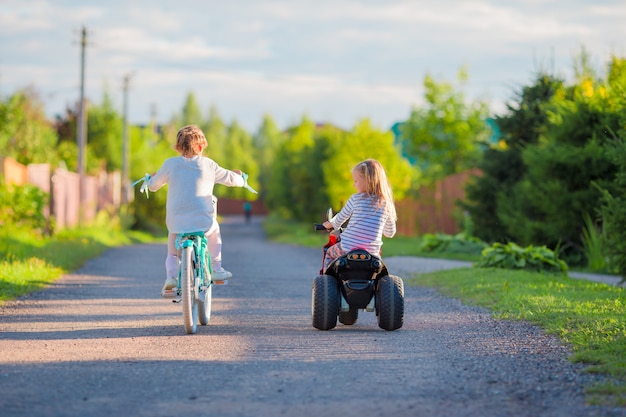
(169,293)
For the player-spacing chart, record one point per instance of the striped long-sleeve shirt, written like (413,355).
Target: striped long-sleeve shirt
(368,223)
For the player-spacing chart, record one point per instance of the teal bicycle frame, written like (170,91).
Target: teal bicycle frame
(194,279)
(200,258)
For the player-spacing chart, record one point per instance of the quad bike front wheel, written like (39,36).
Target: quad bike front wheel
(349,317)
(325,302)
(390,302)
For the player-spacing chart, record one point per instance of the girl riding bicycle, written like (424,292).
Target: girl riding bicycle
(190,201)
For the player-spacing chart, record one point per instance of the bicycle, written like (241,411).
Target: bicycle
(195,285)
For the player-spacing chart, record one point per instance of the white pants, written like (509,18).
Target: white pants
(214,240)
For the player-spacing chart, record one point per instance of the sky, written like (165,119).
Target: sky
(334,62)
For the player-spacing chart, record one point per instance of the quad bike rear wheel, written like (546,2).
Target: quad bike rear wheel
(325,302)
(390,302)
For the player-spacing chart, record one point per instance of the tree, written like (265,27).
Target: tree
(215,131)
(104,133)
(613,208)
(502,165)
(312,168)
(239,153)
(448,135)
(267,142)
(191,113)
(557,190)
(345,150)
(25,133)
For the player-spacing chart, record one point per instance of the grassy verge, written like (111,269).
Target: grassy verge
(28,262)
(588,316)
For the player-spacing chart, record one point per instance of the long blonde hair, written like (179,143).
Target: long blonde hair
(377,185)
(188,139)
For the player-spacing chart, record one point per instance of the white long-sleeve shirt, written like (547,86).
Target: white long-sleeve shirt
(189,206)
(368,223)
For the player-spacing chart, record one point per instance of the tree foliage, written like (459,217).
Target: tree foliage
(502,165)
(312,168)
(613,207)
(25,133)
(447,135)
(541,187)
(104,134)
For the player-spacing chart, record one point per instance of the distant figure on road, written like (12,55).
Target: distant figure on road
(247,210)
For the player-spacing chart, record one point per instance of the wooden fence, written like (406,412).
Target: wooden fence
(101,192)
(434,211)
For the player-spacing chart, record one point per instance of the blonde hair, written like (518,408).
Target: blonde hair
(188,139)
(377,185)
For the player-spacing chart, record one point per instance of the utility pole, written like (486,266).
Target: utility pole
(125,147)
(82,130)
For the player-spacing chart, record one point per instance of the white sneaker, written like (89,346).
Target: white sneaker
(170,283)
(221,275)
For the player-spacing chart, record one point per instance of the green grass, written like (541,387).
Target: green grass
(587,316)
(29,262)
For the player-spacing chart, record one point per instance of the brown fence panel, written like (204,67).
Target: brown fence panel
(90,206)
(65,198)
(436,210)
(102,192)
(14,172)
(39,176)
(109,186)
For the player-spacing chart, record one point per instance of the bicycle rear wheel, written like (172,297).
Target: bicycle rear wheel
(190,304)
(204,305)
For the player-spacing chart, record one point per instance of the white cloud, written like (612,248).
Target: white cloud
(336,60)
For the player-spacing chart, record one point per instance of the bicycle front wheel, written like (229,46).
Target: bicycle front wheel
(190,304)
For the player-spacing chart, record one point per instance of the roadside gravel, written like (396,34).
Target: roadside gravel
(100,342)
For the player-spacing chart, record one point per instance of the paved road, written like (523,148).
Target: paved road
(100,342)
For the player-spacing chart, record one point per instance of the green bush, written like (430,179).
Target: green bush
(23,206)
(513,256)
(459,243)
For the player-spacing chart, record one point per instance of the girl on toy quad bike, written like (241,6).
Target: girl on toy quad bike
(371,212)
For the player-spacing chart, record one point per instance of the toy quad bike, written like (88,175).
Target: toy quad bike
(356,281)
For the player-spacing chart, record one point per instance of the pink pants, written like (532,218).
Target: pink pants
(333,253)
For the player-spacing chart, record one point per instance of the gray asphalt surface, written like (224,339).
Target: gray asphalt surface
(101,342)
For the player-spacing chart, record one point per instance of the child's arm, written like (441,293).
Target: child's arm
(390,228)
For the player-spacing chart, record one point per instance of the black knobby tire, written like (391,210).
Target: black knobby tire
(190,305)
(390,302)
(349,317)
(325,302)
